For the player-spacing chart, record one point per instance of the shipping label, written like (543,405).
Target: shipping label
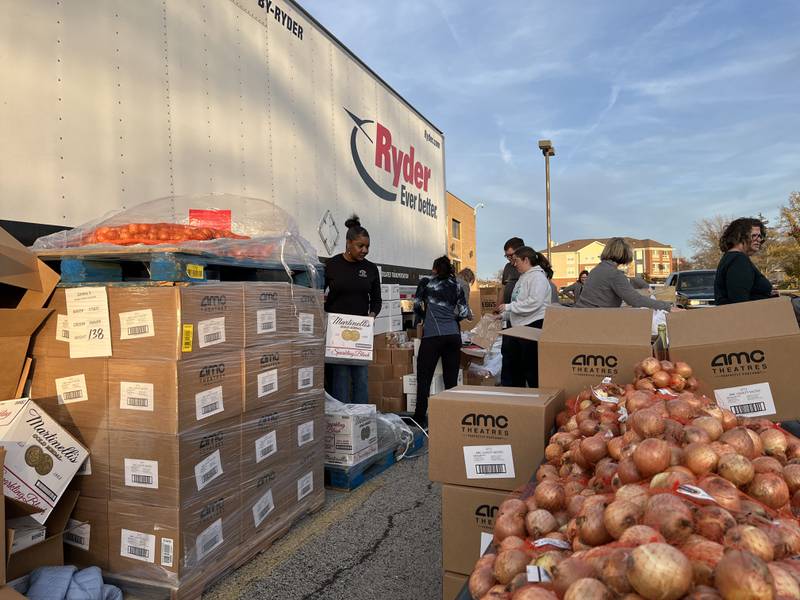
(138,546)
(306,323)
(305,378)
(72,389)
(211,332)
(167,552)
(89,324)
(537,574)
(208,403)
(266,446)
(489,462)
(267,382)
(305,433)
(207,470)
(486,541)
(141,473)
(136,324)
(266,321)
(78,534)
(754,400)
(209,540)
(62,328)
(263,508)
(305,485)
(135,395)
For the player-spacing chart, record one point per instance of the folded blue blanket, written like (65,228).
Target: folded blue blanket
(67,583)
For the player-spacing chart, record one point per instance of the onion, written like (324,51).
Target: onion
(497,592)
(605,470)
(648,422)
(569,571)
(508,525)
(512,542)
(575,505)
(639,399)
(540,522)
(487,560)
(627,472)
(712,522)
(791,474)
(563,439)
(670,480)
(692,384)
(667,365)
(740,440)
(680,410)
(587,588)
(589,427)
(723,491)
(594,448)
(651,456)
(700,458)
(695,435)
(729,420)
(553,453)
(786,586)
(785,538)
(549,559)
(620,515)
(650,365)
(588,413)
(550,495)
(670,516)
(677,382)
(675,456)
(704,556)
(640,534)
(530,503)
(703,592)
(767,464)
(752,539)
(546,472)
(633,493)
(743,576)
(774,442)
(661,379)
(712,427)
(736,469)
(721,448)
(512,506)
(614,447)
(758,445)
(683,369)
(591,528)
(645,385)
(481,581)
(508,564)
(659,572)
(533,592)
(769,489)
(614,571)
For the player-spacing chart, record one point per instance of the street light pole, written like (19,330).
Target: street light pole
(546,146)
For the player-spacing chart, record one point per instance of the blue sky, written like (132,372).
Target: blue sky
(660,112)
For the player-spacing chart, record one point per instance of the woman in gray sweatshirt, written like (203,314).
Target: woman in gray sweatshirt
(608,287)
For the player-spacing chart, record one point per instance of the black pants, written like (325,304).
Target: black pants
(431,349)
(524,359)
(506,371)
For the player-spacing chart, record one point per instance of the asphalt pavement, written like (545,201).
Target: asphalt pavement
(380,541)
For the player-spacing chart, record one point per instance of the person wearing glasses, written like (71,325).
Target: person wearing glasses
(509,280)
(574,291)
(737,278)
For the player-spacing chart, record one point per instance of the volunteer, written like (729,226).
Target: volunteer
(465,279)
(574,290)
(737,278)
(548,270)
(608,287)
(353,288)
(440,304)
(509,280)
(530,298)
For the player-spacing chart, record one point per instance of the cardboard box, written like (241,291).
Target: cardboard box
(390,291)
(400,371)
(41,456)
(396,323)
(9,593)
(411,402)
(749,370)
(382,325)
(348,459)
(490,439)
(267,313)
(306,313)
(395,308)
(268,376)
(86,534)
(452,584)
(374,390)
(165,322)
(379,372)
(25,532)
(393,404)
(308,369)
(349,339)
(169,544)
(467,524)
(393,388)
(350,429)
(580,347)
(93,476)
(489,297)
(382,356)
(409,384)
(16,328)
(157,469)
(403,357)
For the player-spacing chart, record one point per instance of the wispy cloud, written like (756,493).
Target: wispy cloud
(505,153)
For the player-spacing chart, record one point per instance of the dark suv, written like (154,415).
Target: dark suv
(693,289)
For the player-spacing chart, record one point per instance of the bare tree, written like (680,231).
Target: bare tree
(705,241)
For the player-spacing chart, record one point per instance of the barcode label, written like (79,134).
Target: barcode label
(489,462)
(537,574)
(305,433)
(211,332)
(62,328)
(753,400)
(305,378)
(207,470)
(208,540)
(266,321)
(73,539)
(141,473)
(266,446)
(78,534)
(167,551)
(743,409)
(138,546)
(186,339)
(136,324)
(305,485)
(72,389)
(262,508)
(86,467)
(489,469)
(267,382)
(208,403)
(134,395)
(306,321)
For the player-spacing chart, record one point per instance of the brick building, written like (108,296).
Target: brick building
(461,236)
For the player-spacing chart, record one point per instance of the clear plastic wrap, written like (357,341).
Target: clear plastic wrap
(393,433)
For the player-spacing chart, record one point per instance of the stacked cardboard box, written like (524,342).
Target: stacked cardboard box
(390,318)
(393,359)
(437,383)
(484,446)
(205,425)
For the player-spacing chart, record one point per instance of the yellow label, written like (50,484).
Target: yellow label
(195,271)
(188,335)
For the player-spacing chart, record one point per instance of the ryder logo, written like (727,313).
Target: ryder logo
(409,176)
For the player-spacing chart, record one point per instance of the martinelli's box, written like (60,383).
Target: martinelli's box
(349,339)
(490,438)
(744,355)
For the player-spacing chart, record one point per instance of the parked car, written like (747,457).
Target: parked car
(693,289)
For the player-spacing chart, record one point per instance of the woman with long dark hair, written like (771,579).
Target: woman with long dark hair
(440,304)
(354,288)
(737,278)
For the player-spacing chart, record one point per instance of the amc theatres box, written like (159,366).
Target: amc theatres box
(86,534)
(268,376)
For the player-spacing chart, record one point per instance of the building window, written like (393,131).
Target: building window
(665,254)
(456,230)
(660,267)
(456,264)
(570,258)
(570,270)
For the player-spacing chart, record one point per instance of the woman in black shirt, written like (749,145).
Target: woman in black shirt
(737,278)
(354,288)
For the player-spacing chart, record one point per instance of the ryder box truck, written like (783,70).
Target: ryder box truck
(109,103)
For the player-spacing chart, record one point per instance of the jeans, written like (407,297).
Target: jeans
(524,360)
(348,383)
(431,349)
(506,371)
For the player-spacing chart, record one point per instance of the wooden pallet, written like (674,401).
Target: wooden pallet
(168,265)
(349,478)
